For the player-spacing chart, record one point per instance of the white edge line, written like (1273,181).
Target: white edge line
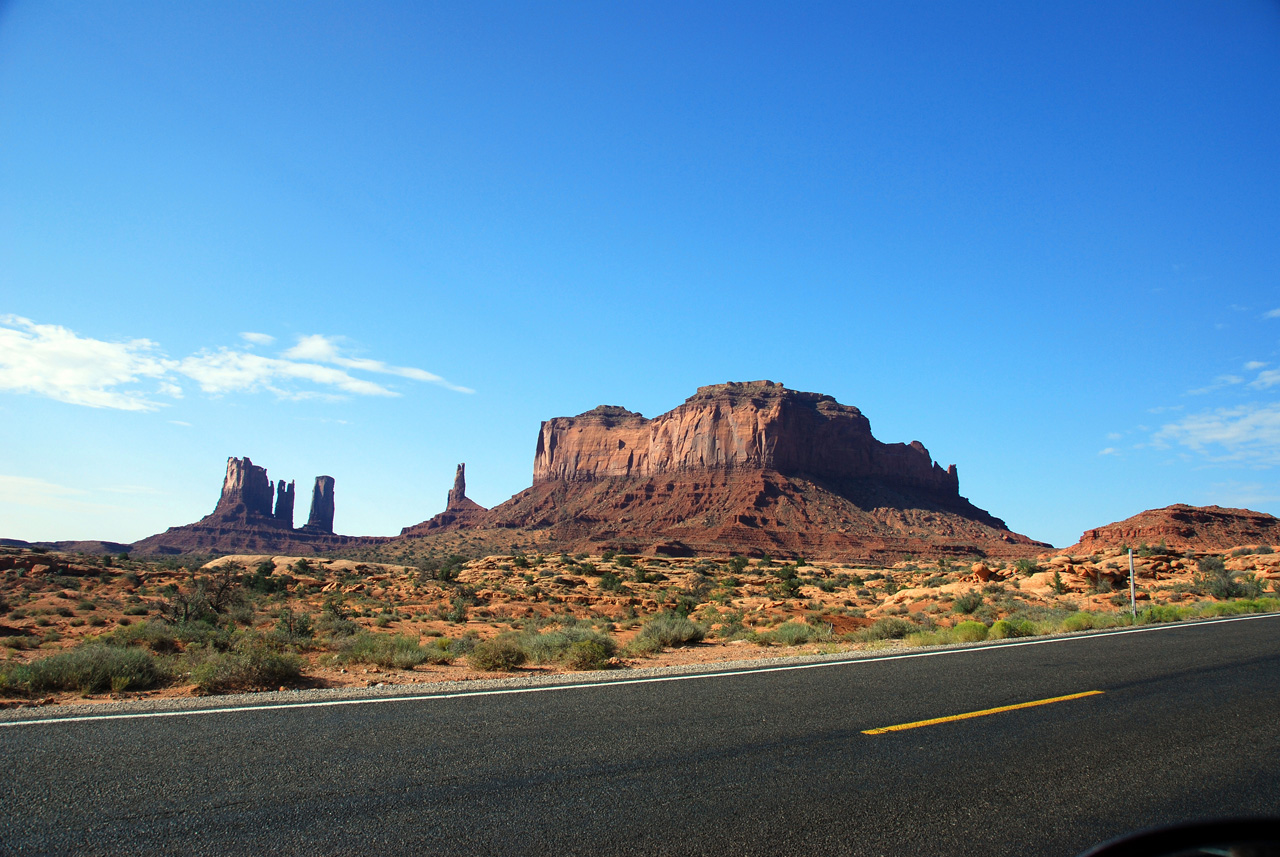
(616,682)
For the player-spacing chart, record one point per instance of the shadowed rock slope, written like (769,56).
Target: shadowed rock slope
(744,467)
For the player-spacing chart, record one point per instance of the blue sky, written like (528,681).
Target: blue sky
(373,240)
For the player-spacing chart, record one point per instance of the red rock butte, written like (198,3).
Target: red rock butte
(741,467)
(1184,527)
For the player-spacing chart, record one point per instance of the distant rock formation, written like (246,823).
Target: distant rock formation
(1184,527)
(246,490)
(284,503)
(321,518)
(758,425)
(459,510)
(244,522)
(743,467)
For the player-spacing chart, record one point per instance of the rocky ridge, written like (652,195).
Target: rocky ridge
(1183,526)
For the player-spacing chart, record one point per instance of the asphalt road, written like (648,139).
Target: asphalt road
(769,762)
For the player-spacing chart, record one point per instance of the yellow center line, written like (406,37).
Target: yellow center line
(904,726)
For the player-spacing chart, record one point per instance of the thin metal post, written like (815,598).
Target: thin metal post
(1133,592)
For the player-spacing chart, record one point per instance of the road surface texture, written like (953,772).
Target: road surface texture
(763,762)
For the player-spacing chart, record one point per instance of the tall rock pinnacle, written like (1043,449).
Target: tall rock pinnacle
(321,518)
(459,491)
(284,503)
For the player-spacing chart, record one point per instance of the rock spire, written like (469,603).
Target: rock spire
(321,518)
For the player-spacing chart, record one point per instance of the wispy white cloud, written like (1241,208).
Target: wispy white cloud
(1219,383)
(1269,378)
(182,423)
(48,360)
(1110,450)
(230,371)
(324,349)
(52,361)
(1275,313)
(1255,365)
(1246,433)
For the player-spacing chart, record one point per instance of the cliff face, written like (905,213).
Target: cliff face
(758,425)
(246,490)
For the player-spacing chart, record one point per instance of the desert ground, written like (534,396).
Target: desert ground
(79,628)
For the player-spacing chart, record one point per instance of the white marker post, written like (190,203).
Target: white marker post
(1133,593)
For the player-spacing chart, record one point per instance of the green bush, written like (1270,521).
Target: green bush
(1007,629)
(501,654)
(1080,622)
(792,633)
(969,632)
(587,655)
(93,668)
(967,603)
(549,646)
(672,629)
(887,628)
(393,650)
(251,663)
(1026,566)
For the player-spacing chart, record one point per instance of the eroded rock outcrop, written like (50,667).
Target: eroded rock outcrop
(459,510)
(1184,527)
(244,521)
(743,467)
(246,490)
(321,518)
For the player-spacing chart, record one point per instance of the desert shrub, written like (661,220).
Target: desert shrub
(1026,566)
(969,632)
(92,668)
(1215,579)
(251,663)
(393,650)
(610,582)
(501,654)
(926,638)
(672,629)
(935,581)
(135,610)
(623,561)
(886,628)
(1007,629)
(1080,622)
(967,603)
(1157,613)
(335,626)
(554,645)
(586,655)
(643,646)
(792,633)
(154,635)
